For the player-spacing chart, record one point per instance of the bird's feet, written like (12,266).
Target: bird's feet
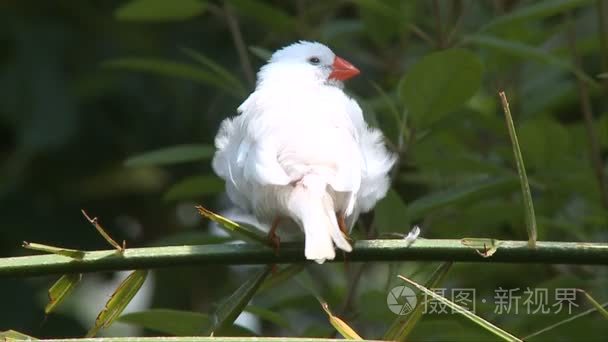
(342,225)
(273,238)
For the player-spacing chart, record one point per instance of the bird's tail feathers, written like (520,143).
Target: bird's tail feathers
(313,206)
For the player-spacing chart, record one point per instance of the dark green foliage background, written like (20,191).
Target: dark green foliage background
(72,110)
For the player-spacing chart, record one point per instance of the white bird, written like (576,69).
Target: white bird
(300,150)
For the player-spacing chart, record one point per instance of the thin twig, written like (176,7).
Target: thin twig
(239,43)
(421,34)
(103,233)
(546,252)
(585,104)
(439,27)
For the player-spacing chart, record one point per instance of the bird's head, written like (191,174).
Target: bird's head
(310,59)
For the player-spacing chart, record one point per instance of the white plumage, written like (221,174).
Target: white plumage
(300,149)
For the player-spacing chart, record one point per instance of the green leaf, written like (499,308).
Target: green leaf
(342,327)
(160,10)
(530,217)
(119,300)
(231,308)
(172,155)
(72,253)
(261,53)
(564,321)
(172,69)
(173,322)
(194,187)
(403,325)
(242,230)
(391,213)
(60,290)
(440,83)
(526,52)
(595,304)
(534,11)
(220,71)
(269,316)
(461,193)
(281,276)
(12,335)
(274,18)
(466,313)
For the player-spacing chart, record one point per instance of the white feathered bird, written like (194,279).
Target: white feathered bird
(300,149)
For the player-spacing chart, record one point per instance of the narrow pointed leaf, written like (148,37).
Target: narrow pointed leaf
(461,193)
(463,311)
(529,216)
(159,10)
(281,276)
(172,155)
(173,322)
(272,17)
(344,329)
(172,69)
(528,52)
(119,300)
(537,10)
(72,253)
(231,308)
(95,222)
(269,316)
(194,187)
(242,230)
(403,325)
(564,321)
(595,304)
(12,335)
(260,52)
(60,290)
(220,71)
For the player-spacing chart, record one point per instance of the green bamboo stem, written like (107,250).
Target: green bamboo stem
(364,250)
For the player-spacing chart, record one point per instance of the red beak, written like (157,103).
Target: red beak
(343,70)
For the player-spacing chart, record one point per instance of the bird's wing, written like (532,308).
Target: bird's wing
(377,162)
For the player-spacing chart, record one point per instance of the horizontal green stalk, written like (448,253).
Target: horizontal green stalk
(364,250)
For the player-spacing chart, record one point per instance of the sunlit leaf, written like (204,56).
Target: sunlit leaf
(173,322)
(119,300)
(342,327)
(12,335)
(461,193)
(172,155)
(529,216)
(239,229)
(231,307)
(60,290)
(403,325)
(440,83)
(72,253)
(194,187)
(463,311)
(160,10)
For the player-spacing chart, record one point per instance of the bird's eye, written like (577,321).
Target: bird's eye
(314,60)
